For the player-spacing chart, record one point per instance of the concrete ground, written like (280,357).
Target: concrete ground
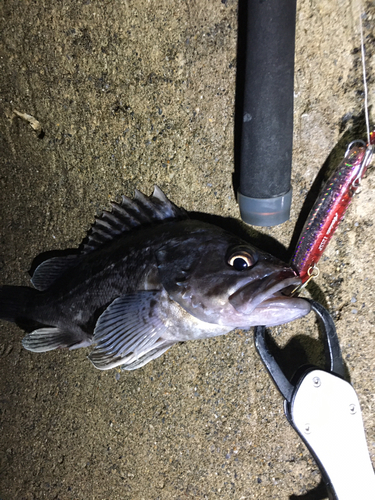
(128,94)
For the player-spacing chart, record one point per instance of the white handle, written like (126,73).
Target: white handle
(325,410)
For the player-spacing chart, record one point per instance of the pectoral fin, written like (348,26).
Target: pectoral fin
(129,332)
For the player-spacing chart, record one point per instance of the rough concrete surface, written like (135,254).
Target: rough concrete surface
(128,94)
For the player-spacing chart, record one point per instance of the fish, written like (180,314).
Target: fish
(146,277)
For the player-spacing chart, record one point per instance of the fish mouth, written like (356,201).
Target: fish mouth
(268,302)
(266,293)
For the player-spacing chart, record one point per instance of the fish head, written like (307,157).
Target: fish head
(221,279)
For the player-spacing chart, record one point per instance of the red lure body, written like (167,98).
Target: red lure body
(330,207)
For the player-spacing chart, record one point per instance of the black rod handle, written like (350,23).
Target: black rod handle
(266,131)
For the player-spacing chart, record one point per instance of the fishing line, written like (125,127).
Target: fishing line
(364,78)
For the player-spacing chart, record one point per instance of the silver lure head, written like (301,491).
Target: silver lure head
(221,279)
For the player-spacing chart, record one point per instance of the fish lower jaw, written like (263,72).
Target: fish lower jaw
(279,310)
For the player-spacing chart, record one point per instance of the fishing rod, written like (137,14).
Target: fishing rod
(265,110)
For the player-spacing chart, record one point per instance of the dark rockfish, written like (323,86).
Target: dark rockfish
(149,277)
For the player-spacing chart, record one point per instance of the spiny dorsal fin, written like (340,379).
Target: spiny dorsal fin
(130,214)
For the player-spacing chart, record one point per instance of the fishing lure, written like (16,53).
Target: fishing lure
(330,207)
(335,197)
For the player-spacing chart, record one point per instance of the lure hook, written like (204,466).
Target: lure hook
(312,272)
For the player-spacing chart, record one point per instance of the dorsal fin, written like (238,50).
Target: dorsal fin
(130,214)
(51,269)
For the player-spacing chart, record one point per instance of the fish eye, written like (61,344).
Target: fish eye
(241,259)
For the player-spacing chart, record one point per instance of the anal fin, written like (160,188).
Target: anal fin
(50,338)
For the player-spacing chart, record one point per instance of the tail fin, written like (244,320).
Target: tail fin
(14,302)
